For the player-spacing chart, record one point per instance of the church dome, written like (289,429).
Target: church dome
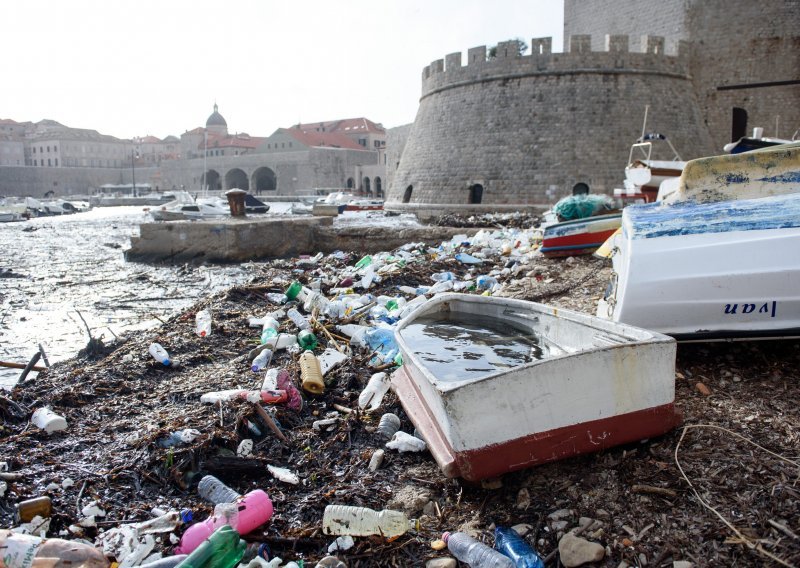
(216,119)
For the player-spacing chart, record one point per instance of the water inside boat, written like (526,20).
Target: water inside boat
(457,346)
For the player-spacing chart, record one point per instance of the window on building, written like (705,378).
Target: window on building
(475,193)
(34,163)
(56,162)
(49,162)
(34,149)
(362,142)
(48,148)
(55,148)
(283,145)
(41,150)
(407,194)
(290,144)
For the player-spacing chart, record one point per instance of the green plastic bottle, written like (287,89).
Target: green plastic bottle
(293,290)
(365,261)
(307,340)
(223,549)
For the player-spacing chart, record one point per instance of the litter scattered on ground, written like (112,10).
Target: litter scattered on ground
(139,437)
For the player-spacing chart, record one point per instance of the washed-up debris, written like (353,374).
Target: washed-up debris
(121,406)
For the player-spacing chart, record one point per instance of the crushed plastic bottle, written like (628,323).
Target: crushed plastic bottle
(265,396)
(212,489)
(361,521)
(405,442)
(475,553)
(179,437)
(159,354)
(382,341)
(485,282)
(510,543)
(467,258)
(388,426)
(374,392)
(261,360)
(365,261)
(203,323)
(443,276)
(298,319)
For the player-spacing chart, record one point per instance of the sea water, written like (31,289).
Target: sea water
(460,346)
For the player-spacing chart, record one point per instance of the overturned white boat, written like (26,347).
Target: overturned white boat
(719,258)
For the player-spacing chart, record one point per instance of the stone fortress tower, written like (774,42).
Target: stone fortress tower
(510,131)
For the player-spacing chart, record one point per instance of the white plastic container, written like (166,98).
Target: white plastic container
(47,420)
(160,354)
(374,392)
(360,521)
(203,323)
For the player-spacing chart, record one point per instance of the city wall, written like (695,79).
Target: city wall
(525,129)
(35,182)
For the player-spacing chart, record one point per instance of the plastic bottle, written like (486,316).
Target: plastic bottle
(159,354)
(307,339)
(222,549)
(373,393)
(261,360)
(212,489)
(382,340)
(25,550)
(203,323)
(254,509)
(281,341)
(443,286)
(47,420)
(508,541)
(467,258)
(388,426)
(179,437)
(298,319)
(311,373)
(475,553)
(293,290)
(443,276)
(365,261)
(360,521)
(270,329)
(485,282)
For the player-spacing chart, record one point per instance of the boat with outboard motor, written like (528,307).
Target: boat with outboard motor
(717,259)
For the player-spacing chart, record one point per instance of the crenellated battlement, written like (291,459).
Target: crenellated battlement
(622,53)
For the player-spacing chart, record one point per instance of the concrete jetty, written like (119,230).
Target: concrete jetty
(242,240)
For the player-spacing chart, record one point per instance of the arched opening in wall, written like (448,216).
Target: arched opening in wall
(350,183)
(378,187)
(264,180)
(367,186)
(738,124)
(210,181)
(407,194)
(236,178)
(475,193)
(580,188)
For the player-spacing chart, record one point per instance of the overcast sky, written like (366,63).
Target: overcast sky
(157,66)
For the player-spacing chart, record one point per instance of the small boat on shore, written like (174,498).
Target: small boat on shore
(718,259)
(349,202)
(578,236)
(495,385)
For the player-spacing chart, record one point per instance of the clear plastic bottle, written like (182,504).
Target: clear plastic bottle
(261,360)
(212,489)
(388,426)
(203,323)
(298,319)
(485,282)
(442,286)
(443,276)
(475,553)
(159,354)
(374,392)
(360,521)
(26,550)
(508,541)
(311,373)
(269,329)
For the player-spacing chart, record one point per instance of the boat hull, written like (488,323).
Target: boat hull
(579,236)
(723,270)
(609,385)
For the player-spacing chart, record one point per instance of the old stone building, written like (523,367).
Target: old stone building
(513,130)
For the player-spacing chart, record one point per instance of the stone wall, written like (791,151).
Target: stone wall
(526,129)
(395,145)
(36,181)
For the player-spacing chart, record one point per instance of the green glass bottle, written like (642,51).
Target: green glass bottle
(293,290)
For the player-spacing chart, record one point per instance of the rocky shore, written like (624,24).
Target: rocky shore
(721,491)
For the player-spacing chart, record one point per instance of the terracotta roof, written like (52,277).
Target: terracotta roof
(346,125)
(328,139)
(149,140)
(236,141)
(7,121)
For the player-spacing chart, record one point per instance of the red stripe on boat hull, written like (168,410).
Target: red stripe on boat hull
(534,448)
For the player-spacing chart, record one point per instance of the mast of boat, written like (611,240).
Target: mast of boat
(644,122)
(204,187)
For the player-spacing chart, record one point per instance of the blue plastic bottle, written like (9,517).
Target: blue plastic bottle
(508,541)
